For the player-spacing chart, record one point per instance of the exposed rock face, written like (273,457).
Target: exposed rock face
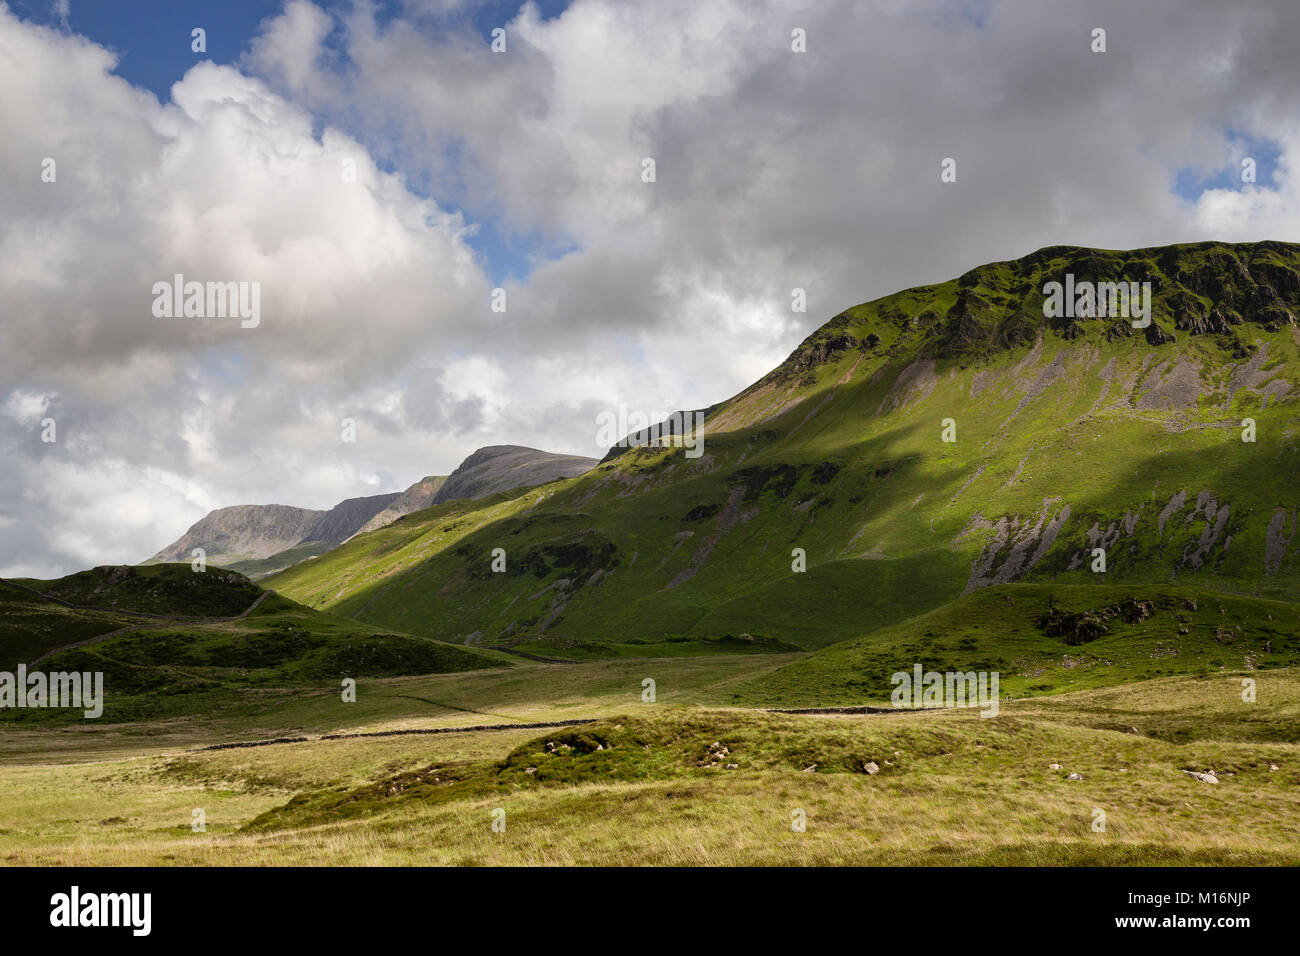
(1216,519)
(914,383)
(415,498)
(1026,544)
(504,467)
(254,532)
(347,518)
(1171,385)
(243,532)
(1281,530)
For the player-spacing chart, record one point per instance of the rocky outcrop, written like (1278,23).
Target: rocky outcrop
(1277,539)
(347,518)
(1025,543)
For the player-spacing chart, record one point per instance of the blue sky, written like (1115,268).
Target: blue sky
(152,39)
(1191,181)
(153,42)
(776,170)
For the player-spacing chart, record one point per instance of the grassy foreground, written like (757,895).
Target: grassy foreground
(649,783)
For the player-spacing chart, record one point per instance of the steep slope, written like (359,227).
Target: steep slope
(331,529)
(347,518)
(497,468)
(415,498)
(242,532)
(1070,435)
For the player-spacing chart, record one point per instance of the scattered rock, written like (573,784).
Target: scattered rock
(714,755)
(1053,766)
(1272,768)
(1075,776)
(530,770)
(733,766)
(810,769)
(1208,777)
(870,767)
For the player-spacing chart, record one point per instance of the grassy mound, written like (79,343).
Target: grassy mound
(1047,638)
(172,590)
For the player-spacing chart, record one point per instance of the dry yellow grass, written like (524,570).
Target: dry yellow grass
(983,793)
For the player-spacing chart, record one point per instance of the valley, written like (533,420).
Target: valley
(950,479)
(645,783)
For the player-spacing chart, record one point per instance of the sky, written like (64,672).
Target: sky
(378,169)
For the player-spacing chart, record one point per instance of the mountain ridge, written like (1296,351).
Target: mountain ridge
(495,468)
(1071,434)
(262,539)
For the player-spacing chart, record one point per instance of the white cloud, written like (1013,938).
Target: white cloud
(775,170)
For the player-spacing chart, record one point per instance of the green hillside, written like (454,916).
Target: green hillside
(162,589)
(1047,639)
(236,646)
(1071,434)
(258,568)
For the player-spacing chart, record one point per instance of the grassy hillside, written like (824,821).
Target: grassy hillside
(1071,435)
(259,568)
(1047,639)
(31,625)
(157,664)
(161,589)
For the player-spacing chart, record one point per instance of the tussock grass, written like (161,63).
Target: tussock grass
(639,787)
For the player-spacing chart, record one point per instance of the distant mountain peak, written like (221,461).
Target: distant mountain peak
(496,468)
(242,532)
(263,539)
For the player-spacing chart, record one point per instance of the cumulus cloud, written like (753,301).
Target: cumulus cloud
(352,161)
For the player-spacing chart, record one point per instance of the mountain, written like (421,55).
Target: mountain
(415,498)
(259,540)
(504,467)
(1070,435)
(347,518)
(241,533)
